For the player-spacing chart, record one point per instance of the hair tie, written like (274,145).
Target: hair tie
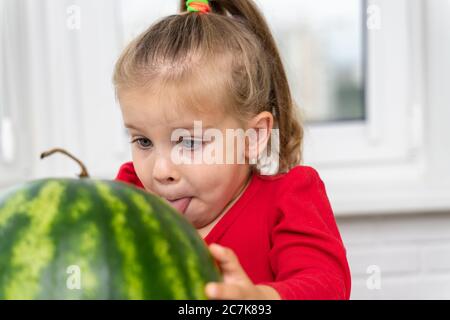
(201,6)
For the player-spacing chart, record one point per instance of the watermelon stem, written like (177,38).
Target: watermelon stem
(84,173)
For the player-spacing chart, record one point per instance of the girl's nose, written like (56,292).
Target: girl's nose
(164,171)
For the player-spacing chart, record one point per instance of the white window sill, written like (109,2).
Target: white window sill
(397,199)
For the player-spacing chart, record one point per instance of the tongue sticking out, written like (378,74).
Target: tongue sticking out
(180,204)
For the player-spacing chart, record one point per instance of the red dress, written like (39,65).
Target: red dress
(284,233)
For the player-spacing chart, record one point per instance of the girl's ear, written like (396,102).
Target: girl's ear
(259,129)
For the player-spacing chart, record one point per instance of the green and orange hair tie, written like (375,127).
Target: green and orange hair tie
(201,6)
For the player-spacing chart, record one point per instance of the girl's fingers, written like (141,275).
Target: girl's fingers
(236,285)
(227,259)
(223,291)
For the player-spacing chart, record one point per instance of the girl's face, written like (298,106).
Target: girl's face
(199,190)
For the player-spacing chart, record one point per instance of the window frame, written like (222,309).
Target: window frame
(383,135)
(383,168)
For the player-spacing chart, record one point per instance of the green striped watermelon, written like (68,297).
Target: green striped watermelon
(97,239)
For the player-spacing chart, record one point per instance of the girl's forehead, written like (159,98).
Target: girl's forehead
(199,90)
(172,104)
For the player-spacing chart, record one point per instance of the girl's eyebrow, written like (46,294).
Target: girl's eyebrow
(192,127)
(188,127)
(130,126)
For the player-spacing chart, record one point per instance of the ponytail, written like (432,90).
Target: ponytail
(285,112)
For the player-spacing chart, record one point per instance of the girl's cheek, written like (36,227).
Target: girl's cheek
(140,155)
(183,156)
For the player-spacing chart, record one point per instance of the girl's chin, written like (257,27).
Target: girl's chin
(196,222)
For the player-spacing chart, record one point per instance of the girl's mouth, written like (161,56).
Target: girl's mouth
(180,204)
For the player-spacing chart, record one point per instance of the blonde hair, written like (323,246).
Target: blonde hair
(235,40)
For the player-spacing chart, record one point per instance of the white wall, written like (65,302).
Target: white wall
(411,251)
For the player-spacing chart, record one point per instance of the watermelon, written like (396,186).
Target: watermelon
(66,238)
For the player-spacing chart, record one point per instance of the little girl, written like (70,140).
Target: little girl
(217,64)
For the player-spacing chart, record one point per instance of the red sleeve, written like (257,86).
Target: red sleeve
(127,174)
(307,254)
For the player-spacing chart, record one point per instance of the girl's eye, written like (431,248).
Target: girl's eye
(190,144)
(143,143)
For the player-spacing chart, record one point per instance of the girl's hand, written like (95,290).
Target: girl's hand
(236,284)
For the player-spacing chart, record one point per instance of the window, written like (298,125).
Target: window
(323,46)
(395,161)
(391,129)
(12,154)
